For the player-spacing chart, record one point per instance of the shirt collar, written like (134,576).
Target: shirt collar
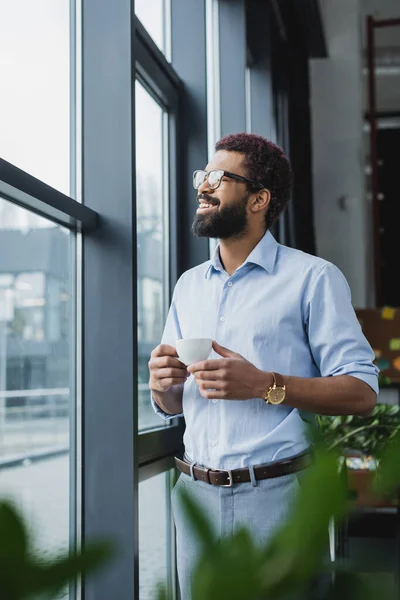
(215,263)
(263,255)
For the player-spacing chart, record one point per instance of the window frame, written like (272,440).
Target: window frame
(156,447)
(25,190)
(160,80)
(106,237)
(232,52)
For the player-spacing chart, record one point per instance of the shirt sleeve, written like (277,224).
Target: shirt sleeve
(337,342)
(172,332)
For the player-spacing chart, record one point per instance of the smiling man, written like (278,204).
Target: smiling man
(287,344)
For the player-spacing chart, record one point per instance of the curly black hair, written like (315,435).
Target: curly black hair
(264,162)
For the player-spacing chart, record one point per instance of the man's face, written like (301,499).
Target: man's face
(227,216)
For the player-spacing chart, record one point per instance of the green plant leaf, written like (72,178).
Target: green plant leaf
(234,572)
(12,529)
(52,577)
(202,527)
(235,568)
(388,476)
(13,551)
(368,435)
(162,593)
(295,555)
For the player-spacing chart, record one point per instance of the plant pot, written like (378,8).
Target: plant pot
(359,482)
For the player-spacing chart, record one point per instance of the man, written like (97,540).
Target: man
(287,343)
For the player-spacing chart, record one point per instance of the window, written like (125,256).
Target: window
(155,17)
(29,308)
(155,535)
(152,238)
(36,377)
(35,89)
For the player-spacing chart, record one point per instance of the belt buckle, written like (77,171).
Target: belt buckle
(230,484)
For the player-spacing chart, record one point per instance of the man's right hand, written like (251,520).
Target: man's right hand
(166,370)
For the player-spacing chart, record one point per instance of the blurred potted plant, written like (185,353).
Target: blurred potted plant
(24,574)
(289,565)
(361,441)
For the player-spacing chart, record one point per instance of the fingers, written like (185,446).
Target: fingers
(165,361)
(211,387)
(208,375)
(164,350)
(168,372)
(206,365)
(160,370)
(161,379)
(215,395)
(222,351)
(214,390)
(165,384)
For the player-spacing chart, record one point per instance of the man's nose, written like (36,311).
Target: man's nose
(204,188)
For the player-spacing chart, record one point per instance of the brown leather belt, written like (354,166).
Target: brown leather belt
(277,468)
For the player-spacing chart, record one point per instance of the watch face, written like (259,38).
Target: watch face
(276,396)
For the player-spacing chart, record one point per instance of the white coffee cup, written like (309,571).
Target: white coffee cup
(192,350)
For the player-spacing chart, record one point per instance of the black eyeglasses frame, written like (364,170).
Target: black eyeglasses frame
(241,178)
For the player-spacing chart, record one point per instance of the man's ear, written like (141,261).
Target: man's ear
(261,200)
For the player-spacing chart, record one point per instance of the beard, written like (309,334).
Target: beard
(223,223)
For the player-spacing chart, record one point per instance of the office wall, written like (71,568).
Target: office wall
(340,205)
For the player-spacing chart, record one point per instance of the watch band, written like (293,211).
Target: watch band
(278,380)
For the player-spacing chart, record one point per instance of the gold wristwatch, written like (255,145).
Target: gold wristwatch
(277,392)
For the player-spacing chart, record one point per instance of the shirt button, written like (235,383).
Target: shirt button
(213,443)
(230,284)
(214,401)
(222,318)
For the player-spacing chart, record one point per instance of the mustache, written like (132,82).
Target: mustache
(208,199)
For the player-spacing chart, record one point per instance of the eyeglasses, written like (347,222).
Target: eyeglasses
(215,176)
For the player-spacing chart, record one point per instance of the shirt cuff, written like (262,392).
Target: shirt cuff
(161,413)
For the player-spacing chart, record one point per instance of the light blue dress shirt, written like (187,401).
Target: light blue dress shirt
(284,311)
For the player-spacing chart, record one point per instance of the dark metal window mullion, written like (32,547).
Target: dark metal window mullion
(30,193)
(153,70)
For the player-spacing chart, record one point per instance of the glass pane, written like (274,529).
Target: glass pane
(155,535)
(35,88)
(152,275)
(153,16)
(36,371)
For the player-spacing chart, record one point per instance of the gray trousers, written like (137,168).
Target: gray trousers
(261,508)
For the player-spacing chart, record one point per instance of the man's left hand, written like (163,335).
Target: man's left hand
(231,377)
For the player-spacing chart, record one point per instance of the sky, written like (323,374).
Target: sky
(35,95)
(34,88)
